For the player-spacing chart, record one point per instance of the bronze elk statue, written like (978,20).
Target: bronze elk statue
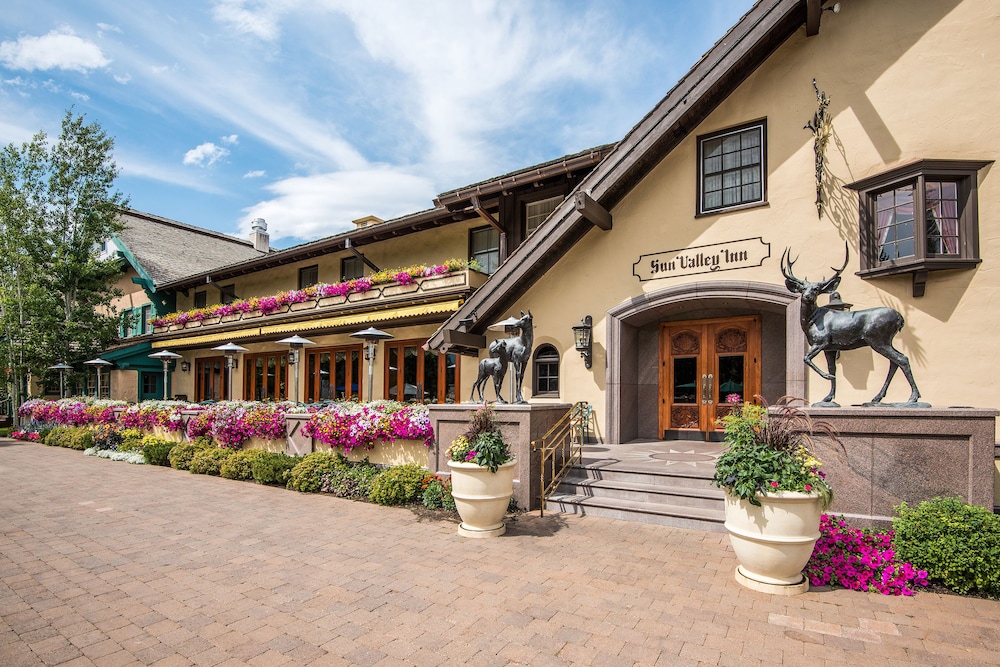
(829,330)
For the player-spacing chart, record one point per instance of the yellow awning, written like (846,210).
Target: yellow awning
(311,325)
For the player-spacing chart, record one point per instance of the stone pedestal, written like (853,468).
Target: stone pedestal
(520,424)
(297,443)
(906,454)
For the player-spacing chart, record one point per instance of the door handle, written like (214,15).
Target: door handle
(704,389)
(711,393)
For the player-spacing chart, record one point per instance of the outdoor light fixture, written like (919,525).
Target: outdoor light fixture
(97,364)
(166,357)
(230,350)
(371,336)
(583,339)
(185,366)
(296,342)
(62,367)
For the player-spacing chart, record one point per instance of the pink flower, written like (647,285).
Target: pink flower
(808,487)
(774,484)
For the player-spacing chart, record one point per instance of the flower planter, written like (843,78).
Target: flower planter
(441,282)
(304,305)
(373,293)
(482,497)
(232,317)
(280,310)
(211,320)
(328,301)
(390,452)
(276,446)
(249,315)
(773,542)
(395,290)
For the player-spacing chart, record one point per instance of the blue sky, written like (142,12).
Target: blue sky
(311,113)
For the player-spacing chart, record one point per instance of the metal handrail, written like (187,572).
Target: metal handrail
(561,448)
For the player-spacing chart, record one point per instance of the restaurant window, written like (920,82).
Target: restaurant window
(731,168)
(484,247)
(919,217)
(211,379)
(201,299)
(308,276)
(351,268)
(266,376)
(416,375)
(227,294)
(334,374)
(545,371)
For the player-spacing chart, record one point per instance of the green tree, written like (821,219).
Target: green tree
(58,203)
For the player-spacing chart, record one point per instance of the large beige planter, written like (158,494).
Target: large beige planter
(481,497)
(773,542)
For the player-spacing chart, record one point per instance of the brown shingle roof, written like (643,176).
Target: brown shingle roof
(168,250)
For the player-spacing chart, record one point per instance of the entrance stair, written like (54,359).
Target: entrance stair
(667,483)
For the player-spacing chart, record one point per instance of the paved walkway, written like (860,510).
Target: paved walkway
(104,563)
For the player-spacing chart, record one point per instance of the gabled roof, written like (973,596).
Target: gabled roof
(163,250)
(450,207)
(712,79)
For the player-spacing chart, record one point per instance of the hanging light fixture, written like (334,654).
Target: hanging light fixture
(583,339)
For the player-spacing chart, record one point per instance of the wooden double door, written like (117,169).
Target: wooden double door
(704,365)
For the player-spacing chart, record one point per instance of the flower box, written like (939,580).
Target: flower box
(394,290)
(175,327)
(328,301)
(211,320)
(276,446)
(304,305)
(252,314)
(441,282)
(232,317)
(364,296)
(192,324)
(279,311)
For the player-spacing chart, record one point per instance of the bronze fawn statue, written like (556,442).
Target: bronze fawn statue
(829,330)
(494,366)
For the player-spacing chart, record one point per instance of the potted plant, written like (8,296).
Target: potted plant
(482,476)
(775,492)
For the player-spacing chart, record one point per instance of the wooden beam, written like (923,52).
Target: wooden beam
(813,12)
(464,340)
(592,211)
(486,215)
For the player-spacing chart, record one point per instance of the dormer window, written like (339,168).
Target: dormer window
(731,168)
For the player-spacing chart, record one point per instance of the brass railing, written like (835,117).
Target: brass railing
(561,448)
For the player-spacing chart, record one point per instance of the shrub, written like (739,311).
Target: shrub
(157,450)
(180,456)
(209,461)
(274,468)
(353,480)
(437,493)
(307,475)
(106,436)
(5,432)
(397,485)
(60,436)
(240,464)
(958,544)
(81,438)
(131,440)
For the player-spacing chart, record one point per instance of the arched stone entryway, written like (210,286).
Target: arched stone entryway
(632,340)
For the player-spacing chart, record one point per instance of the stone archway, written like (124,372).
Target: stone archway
(629,376)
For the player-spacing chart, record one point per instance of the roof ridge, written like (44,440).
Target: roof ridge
(158,219)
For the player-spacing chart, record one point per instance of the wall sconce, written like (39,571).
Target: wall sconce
(583,339)
(185,366)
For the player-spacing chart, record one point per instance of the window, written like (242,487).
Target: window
(334,374)
(308,275)
(920,217)
(145,313)
(200,299)
(416,375)
(211,379)
(227,294)
(536,212)
(484,247)
(546,371)
(351,268)
(731,168)
(266,376)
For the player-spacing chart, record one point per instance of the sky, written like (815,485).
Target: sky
(313,113)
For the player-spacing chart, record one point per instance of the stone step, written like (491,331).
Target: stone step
(665,492)
(697,518)
(700,477)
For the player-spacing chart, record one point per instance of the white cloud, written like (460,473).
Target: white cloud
(83,97)
(123,78)
(256,173)
(108,27)
(205,154)
(261,23)
(59,49)
(308,207)
(134,166)
(232,139)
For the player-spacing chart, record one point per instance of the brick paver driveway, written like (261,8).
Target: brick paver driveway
(107,563)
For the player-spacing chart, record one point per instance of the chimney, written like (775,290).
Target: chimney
(258,235)
(367,221)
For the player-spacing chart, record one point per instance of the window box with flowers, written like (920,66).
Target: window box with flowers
(775,493)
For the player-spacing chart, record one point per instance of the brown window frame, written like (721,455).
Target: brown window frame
(200,299)
(200,387)
(421,373)
(313,380)
(700,209)
(281,389)
(962,172)
(308,276)
(545,354)
(346,275)
(496,251)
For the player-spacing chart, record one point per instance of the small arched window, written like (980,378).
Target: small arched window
(546,371)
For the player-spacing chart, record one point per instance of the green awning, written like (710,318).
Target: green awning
(134,357)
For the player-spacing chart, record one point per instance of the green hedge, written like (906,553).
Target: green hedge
(307,475)
(181,455)
(398,485)
(209,461)
(957,544)
(157,450)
